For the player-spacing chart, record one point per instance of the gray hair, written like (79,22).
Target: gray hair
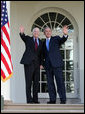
(35,28)
(46,28)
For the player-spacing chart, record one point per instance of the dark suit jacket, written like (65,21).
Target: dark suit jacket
(53,57)
(30,54)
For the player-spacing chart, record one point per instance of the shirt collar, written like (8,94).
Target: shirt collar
(35,38)
(48,39)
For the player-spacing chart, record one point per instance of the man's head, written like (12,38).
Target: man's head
(47,32)
(36,32)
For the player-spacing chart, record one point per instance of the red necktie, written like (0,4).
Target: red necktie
(36,45)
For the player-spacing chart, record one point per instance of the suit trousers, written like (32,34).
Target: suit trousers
(57,72)
(32,74)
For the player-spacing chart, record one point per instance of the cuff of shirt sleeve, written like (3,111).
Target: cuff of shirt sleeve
(66,36)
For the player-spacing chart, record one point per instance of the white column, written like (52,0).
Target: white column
(5,89)
(5,86)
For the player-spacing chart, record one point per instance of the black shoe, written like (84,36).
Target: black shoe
(30,102)
(51,102)
(36,102)
(63,102)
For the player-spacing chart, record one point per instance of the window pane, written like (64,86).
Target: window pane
(69,44)
(62,46)
(44,87)
(69,54)
(66,22)
(59,18)
(39,22)
(52,24)
(70,30)
(70,87)
(59,31)
(69,76)
(71,27)
(48,25)
(69,65)
(45,17)
(43,76)
(56,25)
(62,53)
(64,65)
(52,16)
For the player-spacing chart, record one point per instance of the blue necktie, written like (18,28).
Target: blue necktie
(47,44)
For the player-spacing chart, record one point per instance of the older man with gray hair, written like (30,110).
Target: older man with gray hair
(32,61)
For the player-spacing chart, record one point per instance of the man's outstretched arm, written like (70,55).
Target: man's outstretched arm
(65,35)
(22,35)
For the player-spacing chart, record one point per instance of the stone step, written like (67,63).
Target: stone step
(9,108)
(49,105)
(42,111)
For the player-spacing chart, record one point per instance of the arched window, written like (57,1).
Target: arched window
(53,20)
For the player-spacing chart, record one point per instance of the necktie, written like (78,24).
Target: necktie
(36,45)
(47,44)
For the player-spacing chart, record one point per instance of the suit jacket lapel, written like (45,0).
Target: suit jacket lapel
(33,43)
(39,44)
(45,44)
(50,43)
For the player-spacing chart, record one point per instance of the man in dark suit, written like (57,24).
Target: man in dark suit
(32,61)
(54,64)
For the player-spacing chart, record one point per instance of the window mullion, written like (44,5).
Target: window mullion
(62,21)
(49,21)
(37,25)
(55,20)
(43,21)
